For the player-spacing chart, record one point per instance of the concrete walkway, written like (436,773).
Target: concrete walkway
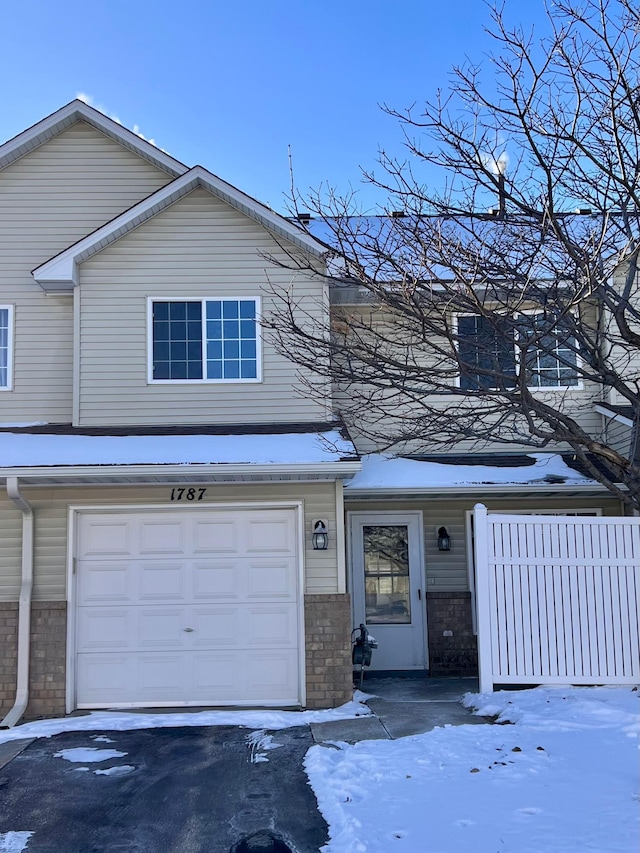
(403,707)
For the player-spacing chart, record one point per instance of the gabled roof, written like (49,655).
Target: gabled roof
(74,112)
(60,272)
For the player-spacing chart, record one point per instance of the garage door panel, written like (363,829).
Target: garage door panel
(215,536)
(271,579)
(105,628)
(162,581)
(270,674)
(269,535)
(106,582)
(102,536)
(275,625)
(162,537)
(188,607)
(160,675)
(220,626)
(216,580)
(161,628)
(216,676)
(105,679)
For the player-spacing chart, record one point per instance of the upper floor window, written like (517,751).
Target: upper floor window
(551,359)
(481,346)
(6,346)
(205,340)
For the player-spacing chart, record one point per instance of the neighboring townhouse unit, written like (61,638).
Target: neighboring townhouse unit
(184,520)
(163,471)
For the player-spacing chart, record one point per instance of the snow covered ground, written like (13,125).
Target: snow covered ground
(563,778)
(558,774)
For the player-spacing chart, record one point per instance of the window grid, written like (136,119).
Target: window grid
(212,340)
(479,346)
(553,363)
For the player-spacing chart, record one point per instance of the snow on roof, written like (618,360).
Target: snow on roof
(31,450)
(385,472)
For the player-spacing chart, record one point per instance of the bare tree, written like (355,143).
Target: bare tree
(456,322)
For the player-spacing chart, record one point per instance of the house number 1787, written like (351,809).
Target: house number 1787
(187,494)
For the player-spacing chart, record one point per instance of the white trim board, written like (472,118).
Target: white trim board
(614,416)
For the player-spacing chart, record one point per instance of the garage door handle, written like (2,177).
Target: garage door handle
(188,630)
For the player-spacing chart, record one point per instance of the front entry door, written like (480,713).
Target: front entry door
(388,591)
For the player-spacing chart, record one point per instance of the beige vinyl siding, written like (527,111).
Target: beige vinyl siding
(617,435)
(10,550)
(624,357)
(198,247)
(51,521)
(578,403)
(49,199)
(447,571)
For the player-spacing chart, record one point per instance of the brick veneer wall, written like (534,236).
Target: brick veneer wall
(8,652)
(47,658)
(328,651)
(458,654)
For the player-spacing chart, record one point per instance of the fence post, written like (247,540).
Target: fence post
(483,611)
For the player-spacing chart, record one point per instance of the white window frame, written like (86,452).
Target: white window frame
(596,512)
(10,310)
(203,300)
(579,386)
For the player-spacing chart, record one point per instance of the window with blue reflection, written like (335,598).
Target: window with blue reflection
(211,339)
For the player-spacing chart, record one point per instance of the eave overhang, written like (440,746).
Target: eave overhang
(60,273)
(155,475)
(495,490)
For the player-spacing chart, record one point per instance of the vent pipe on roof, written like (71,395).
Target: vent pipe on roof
(24,605)
(502,201)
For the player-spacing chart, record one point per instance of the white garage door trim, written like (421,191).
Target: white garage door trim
(76,511)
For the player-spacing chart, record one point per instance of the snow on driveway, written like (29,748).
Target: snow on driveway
(88,754)
(563,779)
(14,842)
(108,721)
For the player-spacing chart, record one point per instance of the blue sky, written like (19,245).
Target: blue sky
(230,85)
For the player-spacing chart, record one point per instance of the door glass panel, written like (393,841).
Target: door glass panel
(386,574)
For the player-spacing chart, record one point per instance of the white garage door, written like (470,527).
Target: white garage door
(195,607)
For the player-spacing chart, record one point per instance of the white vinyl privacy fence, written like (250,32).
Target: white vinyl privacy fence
(558,599)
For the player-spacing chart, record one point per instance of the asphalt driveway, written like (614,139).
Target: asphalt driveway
(183,790)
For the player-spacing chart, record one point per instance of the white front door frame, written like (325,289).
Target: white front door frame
(414,521)
(76,509)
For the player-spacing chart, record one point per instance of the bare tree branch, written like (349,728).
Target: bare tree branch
(458,326)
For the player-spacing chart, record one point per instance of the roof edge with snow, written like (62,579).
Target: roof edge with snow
(384,475)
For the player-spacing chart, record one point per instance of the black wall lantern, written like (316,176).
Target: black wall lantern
(320,534)
(444,540)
